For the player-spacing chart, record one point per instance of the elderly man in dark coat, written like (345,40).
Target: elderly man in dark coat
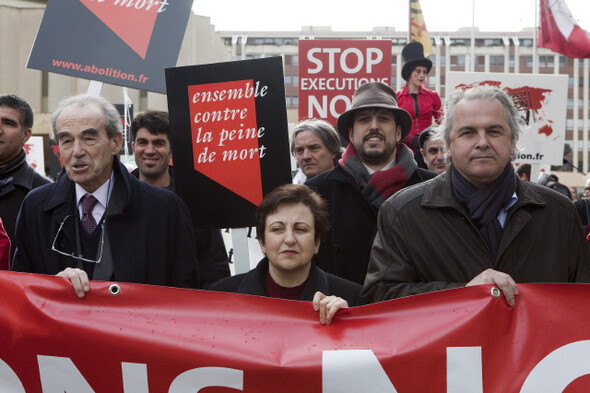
(97,221)
(373,167)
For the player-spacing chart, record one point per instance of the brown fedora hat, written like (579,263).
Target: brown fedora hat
(374,95)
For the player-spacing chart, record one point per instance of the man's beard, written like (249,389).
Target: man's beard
(375,157)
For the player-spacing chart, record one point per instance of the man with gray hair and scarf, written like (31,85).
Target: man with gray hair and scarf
(374,166)
(477,223)
(97,221)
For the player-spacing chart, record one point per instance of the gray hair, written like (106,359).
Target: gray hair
(484,92)
(325,131)
(112,118)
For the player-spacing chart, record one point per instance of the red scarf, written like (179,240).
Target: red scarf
(382,184)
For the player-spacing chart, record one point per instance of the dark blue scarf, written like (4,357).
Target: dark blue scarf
(485,204)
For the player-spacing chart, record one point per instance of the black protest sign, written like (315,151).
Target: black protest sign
(229,136)
(122,42)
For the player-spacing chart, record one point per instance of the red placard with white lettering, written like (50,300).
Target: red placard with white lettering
(156,339)
(230,146)
(330,71)
(230,138)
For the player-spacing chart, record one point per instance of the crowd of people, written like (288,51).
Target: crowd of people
(360,224)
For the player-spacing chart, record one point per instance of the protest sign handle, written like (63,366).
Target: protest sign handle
(241,253)
(535,172)
(94,88)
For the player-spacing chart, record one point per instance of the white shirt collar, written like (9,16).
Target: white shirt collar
(102,194)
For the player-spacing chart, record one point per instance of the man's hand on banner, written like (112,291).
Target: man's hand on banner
(502,280)
(78,278)
(327,306)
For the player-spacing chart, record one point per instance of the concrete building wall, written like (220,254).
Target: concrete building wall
(18,28)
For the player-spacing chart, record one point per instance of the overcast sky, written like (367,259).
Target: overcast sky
(440,15)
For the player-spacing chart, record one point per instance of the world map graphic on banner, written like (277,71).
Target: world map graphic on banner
(529,102)
(541,103)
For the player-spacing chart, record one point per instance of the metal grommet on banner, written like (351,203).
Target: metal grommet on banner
(114,289)
(496,292)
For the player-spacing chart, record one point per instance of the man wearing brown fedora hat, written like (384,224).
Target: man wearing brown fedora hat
(373,167)
(421,103)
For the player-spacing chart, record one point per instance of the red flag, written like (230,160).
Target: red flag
(560,32)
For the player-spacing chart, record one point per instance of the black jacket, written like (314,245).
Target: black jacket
(353,223)
(211,252)
(253,283)
(148,232)
(427,242)
(14,187)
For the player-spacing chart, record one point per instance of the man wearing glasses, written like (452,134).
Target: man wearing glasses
(97,221)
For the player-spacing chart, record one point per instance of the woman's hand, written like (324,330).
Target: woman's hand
(327,306)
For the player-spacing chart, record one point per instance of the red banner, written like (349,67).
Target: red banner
(155,339)
(330,71)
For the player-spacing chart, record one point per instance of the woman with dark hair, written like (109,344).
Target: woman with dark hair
(290,222)
(422,104)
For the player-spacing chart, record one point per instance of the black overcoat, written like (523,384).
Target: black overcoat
(148,232)
(353,223)
(253,283)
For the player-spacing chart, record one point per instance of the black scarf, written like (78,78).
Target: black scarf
(485,204)
(13,164)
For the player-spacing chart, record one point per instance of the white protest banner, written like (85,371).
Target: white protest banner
(541,101)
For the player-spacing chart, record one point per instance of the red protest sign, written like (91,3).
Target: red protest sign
(331,70)
(225,135)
